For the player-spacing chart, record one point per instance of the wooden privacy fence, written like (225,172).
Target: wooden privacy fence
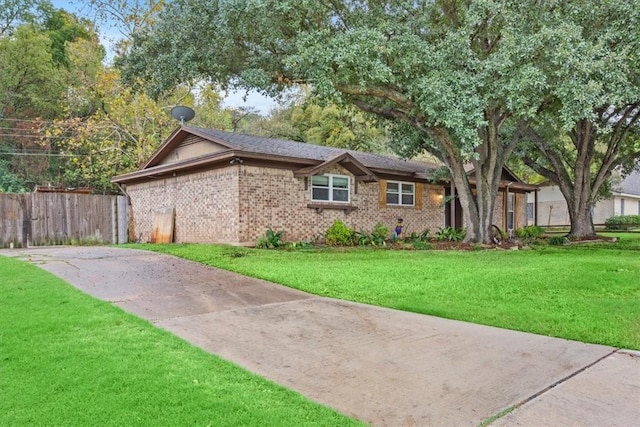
(38,219)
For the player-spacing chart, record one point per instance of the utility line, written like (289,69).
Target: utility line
(9,119)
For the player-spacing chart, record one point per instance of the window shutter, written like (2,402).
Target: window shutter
(383,193)
(418,187)
(515,211)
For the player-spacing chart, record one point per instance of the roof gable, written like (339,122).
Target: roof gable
(347,161)
(180,138)
(282,148)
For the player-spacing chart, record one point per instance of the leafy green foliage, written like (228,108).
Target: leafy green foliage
(420,240)
(622,222)
(558,240)
(529,232)
(361,238)
(338,234)
(272,239)
(590,126)
(379,234)
(9,182)
(450,234)
(445,90)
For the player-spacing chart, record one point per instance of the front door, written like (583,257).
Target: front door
(452,219)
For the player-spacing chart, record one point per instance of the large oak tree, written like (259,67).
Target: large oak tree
(592,123)
(452,75)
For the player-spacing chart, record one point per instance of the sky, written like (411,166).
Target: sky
(109,35)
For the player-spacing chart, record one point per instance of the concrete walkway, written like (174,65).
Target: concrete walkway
(384,367)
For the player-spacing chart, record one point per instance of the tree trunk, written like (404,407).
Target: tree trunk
(478,201)
(477,208)
(581,223)
(579,205)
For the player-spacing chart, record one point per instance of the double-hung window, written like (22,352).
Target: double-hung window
(330,188)
(511,205)
(401,193)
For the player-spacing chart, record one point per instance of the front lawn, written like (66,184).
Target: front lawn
(588,293)
(67,359)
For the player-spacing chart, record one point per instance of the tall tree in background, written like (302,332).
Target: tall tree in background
(35,85)
(305,118)
(592,123)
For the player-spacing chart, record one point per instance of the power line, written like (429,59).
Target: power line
(8,119)
(22,135)
(45,154)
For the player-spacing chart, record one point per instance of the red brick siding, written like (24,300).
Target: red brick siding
(275,198)
(206,205)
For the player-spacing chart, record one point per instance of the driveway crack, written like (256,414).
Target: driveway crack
(510,409)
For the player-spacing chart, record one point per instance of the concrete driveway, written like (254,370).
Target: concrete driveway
(384,367)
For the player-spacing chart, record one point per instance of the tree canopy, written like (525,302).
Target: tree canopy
(460,79)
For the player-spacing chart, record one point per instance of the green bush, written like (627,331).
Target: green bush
(379,234)
(450,234)
(298,245)
(622,222)
(558,240)
(272,239)
(361,238)
(529,232)
(425,236)
(339,234)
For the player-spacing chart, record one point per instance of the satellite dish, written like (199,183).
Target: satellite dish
(182,113)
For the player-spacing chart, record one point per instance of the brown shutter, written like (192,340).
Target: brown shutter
(505,210)
(383,193)
(419,195)
(515,211)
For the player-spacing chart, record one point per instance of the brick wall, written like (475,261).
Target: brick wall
(237,204)
(206,206)
(275,198)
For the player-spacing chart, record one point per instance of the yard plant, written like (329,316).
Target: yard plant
(588,292)
(67,359)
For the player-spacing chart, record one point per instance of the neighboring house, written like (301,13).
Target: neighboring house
(230,188)
(552,207)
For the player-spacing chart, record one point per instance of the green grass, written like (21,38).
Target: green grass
(67,359)
(588,292)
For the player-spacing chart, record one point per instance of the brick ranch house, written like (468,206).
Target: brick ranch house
(230,188)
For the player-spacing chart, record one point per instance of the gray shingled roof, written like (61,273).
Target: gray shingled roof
(279,147)
(631,184)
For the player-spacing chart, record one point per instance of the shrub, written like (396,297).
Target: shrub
(558,240)
(450,234)
(379,234)
(361,238)
(529,232)
(298,245)
(622,222)
(339,234)
(263,243)
(273,239)
(425,236)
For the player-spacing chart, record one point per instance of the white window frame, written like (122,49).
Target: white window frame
(399,193)
(331,188)
(511,210)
